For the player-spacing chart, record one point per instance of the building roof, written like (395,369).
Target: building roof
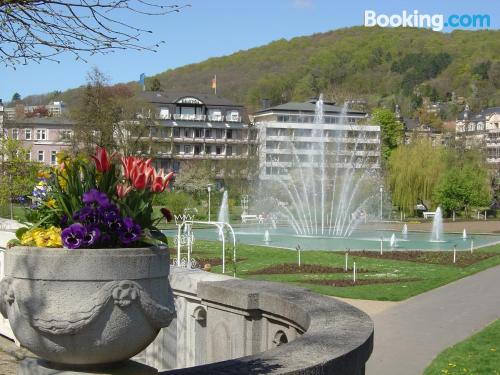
(481,116)
(309,106)
(42,121)
(170,97)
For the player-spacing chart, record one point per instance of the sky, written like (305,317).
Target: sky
(210,28)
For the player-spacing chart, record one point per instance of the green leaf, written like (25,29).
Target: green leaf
(20,232)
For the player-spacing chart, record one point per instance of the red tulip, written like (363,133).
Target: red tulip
(168,178)
(101,159)
(123,190)
(157,183)
(140,181)
(128,165)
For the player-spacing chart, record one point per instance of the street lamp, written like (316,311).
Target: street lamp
(209,188)
(381,200)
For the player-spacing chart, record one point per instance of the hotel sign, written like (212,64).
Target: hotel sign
(189,100)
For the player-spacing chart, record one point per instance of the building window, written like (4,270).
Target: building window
(177,132)
(208,133)
(164,113)
(229,151)
(198,133)
(41,134)
(53,157)
(219,134)
(218,150)
(229,134)
(66,135)
(187,149)
(27,134)
(15,133)
(197,149)
(41,156)
(177,149)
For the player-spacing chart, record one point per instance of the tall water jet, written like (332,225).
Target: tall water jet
(327,185)
(267,237)
(405,232)
(437,226)
(393,243)
(464,234)
(224,209)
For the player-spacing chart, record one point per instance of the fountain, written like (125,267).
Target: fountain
(437,226)
(464,235)
(405,232)
(224,209)
(393,242)
(328,185)
(267,238)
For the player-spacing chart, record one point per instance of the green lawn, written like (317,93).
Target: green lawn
(429,276)
(18,212)
(478,355)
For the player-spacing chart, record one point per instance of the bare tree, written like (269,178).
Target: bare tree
(34,30)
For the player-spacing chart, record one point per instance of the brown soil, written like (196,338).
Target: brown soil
(287,268)
(464,258)
(347,282)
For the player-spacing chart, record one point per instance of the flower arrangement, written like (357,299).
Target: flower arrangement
(105,201)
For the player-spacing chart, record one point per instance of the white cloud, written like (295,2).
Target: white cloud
(301,4)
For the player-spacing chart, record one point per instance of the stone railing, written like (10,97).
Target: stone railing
(234,326)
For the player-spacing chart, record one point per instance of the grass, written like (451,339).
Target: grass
(478,355)
(17,210)
(428,276)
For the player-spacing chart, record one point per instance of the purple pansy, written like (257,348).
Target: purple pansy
(92,236)
(95,198)
(130,232)
(88,216)
(73,237)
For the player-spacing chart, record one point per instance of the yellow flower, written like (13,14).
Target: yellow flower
(61,157)
(50,237)
(43,174)
(51,203)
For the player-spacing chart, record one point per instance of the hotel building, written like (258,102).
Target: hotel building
(197,127)
(287,133)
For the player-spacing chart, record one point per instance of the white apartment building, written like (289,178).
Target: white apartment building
(288,135)
(481,130)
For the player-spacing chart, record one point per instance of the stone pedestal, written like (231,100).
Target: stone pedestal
(34,366)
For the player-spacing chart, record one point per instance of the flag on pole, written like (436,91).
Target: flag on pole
(142,79)
(214,84)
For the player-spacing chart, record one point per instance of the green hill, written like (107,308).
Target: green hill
(381,66)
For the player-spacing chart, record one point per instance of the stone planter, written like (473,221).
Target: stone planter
(88,306)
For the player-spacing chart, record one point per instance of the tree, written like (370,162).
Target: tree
(18,174)
(111,117)
(195,176)
(33,30)
(465,184)
(462,188)
(391,130)
(156,85)
(414,171)
(16,97)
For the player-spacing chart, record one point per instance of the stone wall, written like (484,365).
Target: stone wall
(233,326)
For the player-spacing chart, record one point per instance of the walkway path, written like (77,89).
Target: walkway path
(411,333)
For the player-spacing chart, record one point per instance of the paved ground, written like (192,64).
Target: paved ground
(410,334)
(370,307)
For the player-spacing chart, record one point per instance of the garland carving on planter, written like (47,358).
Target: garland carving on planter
(123,293)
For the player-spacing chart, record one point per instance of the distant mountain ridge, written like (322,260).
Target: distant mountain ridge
(381,66)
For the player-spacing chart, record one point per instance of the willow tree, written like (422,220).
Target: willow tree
(414,171)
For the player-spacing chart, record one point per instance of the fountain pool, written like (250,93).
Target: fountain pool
(361,239)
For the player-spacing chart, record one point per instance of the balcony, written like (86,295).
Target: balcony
(189,117)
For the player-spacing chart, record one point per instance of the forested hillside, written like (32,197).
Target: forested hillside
(381,66)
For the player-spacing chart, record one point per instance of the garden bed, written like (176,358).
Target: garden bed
(360,282)
(464,258)
(288,268)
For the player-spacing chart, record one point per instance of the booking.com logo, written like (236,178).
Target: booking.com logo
(435,22)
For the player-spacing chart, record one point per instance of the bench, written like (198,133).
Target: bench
(429,214)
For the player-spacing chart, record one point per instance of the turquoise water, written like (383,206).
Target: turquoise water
(360,240)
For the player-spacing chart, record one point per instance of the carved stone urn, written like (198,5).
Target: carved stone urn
(88,306)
